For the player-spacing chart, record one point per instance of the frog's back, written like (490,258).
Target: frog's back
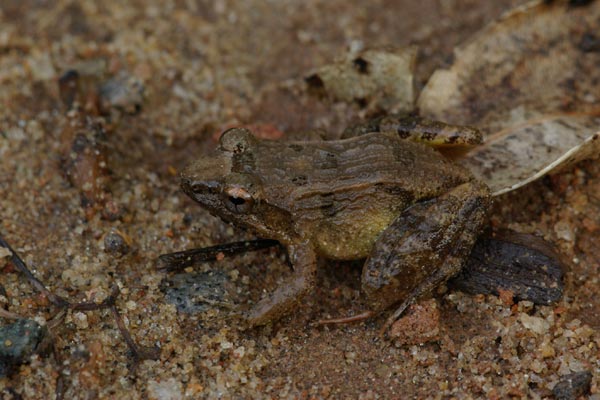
(299,172)
(342,194)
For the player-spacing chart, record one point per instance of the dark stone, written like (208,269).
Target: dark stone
(361,65)
(573,385)
(525,265)
(589,43)
(68,87)
(19,341)
(198,292)
(115,243)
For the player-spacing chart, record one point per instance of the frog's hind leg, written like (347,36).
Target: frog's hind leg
(424,247)
(290,293)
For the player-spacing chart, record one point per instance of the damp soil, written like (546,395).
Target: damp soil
(205,66)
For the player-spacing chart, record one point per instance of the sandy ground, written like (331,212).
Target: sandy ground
(206,65)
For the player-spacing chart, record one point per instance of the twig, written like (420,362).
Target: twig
(36,283)
(138,353)
(90,306)
(8,314)
(345,320)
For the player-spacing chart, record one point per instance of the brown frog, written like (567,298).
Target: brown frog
(412,213)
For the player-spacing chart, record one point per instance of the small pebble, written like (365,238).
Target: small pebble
(546,350)
(421,324)
(4,252)
(573,385)
(80,320)
(114,242)
(197,292)
(18,341)
(564,231)
(534,324)
(122,92)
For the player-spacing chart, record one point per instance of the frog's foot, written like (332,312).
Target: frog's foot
(290,293)
(424,247)
(419,129)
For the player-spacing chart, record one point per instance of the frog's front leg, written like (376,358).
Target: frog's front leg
(424,247)
(290,293)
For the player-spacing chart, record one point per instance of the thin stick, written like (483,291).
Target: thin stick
(138,353)
(36,283)
(63,305)
(8,314)
(90,306)
(345,320)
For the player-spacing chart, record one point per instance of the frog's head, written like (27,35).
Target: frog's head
(226,184)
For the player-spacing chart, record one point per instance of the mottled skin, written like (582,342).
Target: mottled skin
(412,213)
(416,128)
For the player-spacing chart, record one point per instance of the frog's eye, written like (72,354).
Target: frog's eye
(238,200)
(236,140)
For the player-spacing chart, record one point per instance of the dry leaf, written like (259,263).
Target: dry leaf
(532,78)
(373,79)
(523,153)
(538,59)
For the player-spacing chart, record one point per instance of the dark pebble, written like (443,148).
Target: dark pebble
(197,292)
(589,43)
(19,341)
(68,86)
(525,265)
(115,243)
(572,386)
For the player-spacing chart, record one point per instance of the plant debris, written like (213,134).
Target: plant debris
(373,79)
(524,267)
(515,81)
(138,353)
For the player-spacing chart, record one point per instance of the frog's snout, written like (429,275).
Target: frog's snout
(205,169)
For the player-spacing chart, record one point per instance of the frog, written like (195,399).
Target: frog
(383,196)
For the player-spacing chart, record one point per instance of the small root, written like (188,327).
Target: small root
(346,320)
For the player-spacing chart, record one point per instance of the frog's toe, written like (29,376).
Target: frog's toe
(283,300)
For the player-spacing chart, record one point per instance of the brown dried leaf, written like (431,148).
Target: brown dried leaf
(518,155)
(538,59)
(522,77)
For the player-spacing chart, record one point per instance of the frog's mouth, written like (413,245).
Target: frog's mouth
(205,192)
